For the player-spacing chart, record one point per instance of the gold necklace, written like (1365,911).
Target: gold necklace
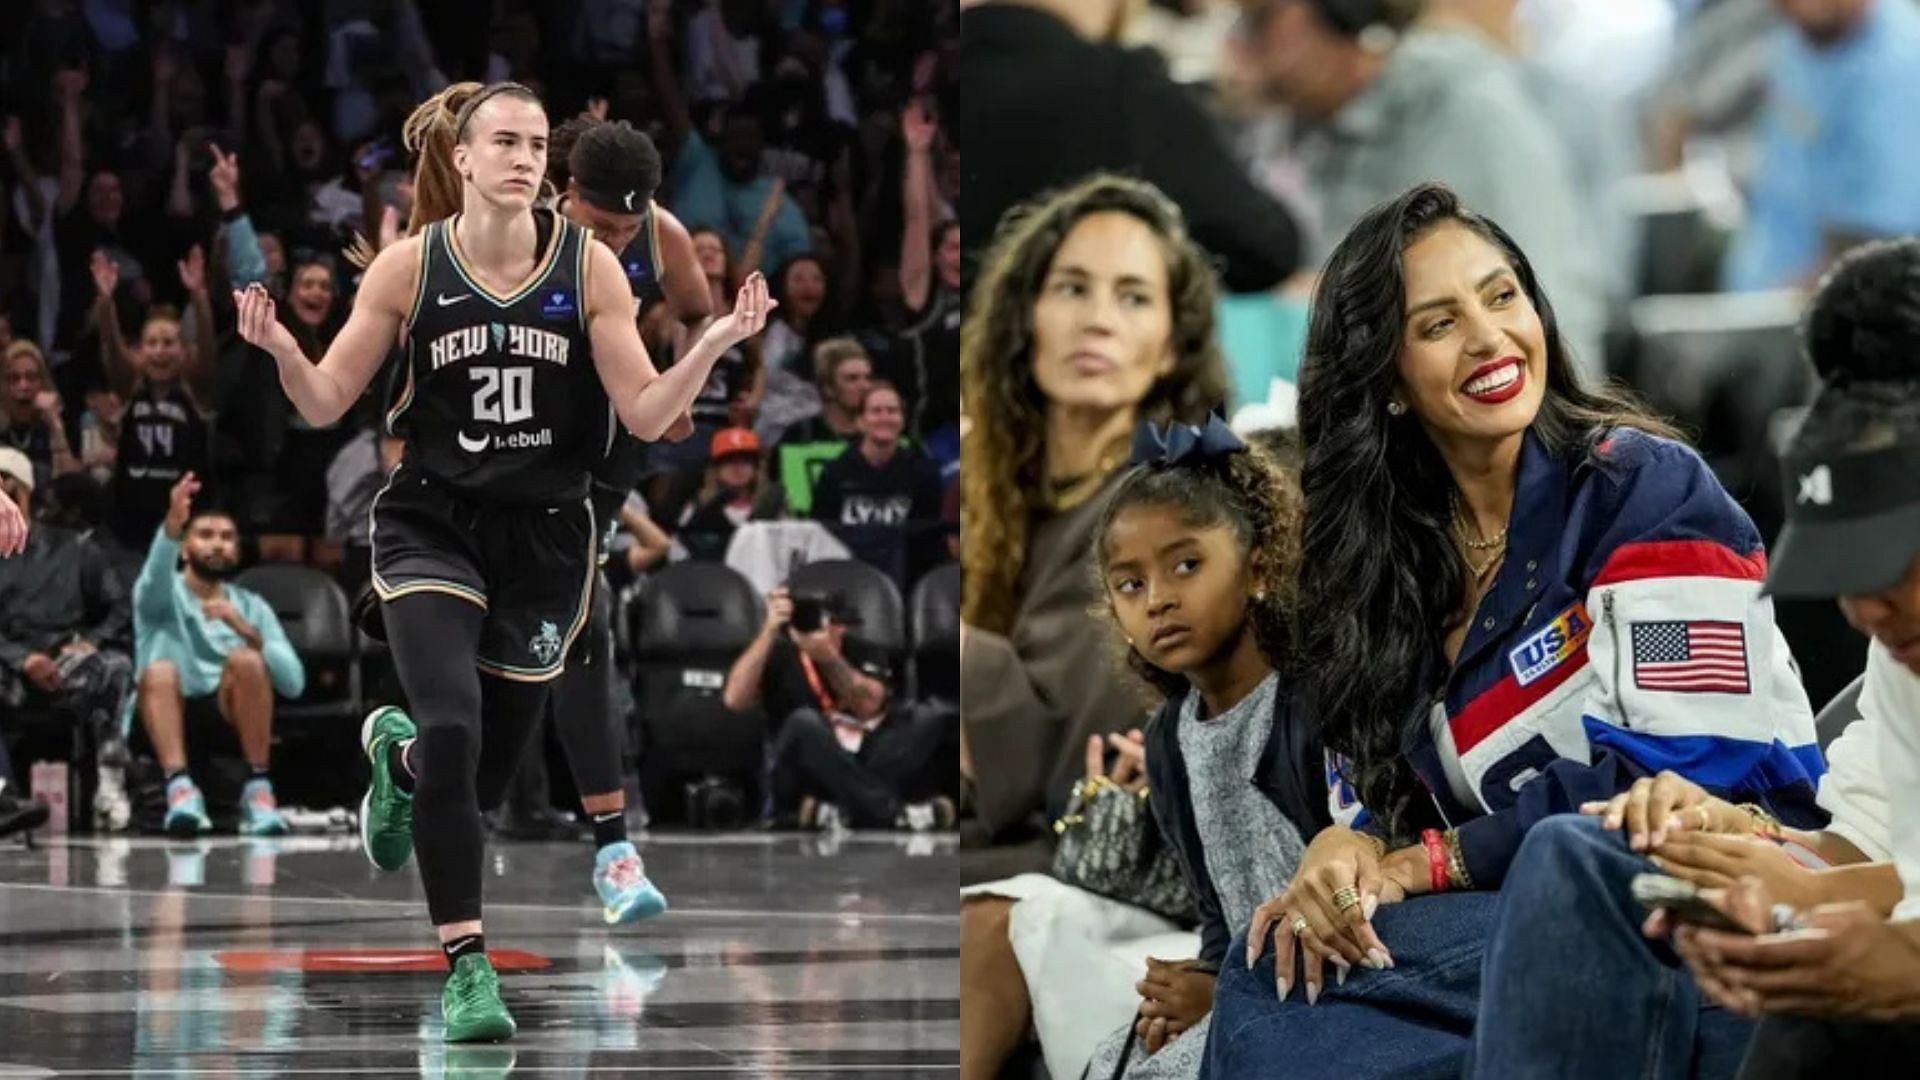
(1497,545)
(1067,492)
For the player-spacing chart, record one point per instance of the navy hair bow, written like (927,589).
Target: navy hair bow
(1178,444)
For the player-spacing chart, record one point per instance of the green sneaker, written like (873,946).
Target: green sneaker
(471,1003)
(386,812)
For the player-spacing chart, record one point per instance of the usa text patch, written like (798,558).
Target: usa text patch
(1546,647)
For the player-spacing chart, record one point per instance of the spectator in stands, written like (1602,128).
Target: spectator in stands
(204,643)
(1094,312)
(711,249)
(65,632)
(725,188)
(34,424)
(1550,597)
(843,373)
(1387,105)
(927,369)
(848,752)
(164,428)
(735,492)
(882,496)
(1043,77)
(1837,153)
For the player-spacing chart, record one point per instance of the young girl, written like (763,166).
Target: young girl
(1194,557)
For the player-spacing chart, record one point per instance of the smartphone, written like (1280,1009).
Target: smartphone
(1683,900)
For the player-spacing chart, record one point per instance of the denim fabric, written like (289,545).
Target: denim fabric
(1573,990)
(1410,1022)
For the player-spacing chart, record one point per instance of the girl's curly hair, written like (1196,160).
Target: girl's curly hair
(1247,491)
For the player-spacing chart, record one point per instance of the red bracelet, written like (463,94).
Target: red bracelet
(1436,845)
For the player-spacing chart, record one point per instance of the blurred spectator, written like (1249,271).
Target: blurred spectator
(35,195)
(204,644)
(1387,106)
(847,751)
(1095,312)
(1050,99)
(928,371)
(1837,152)
(164,429)
(843,373)
(35,425)
(736,491)
(881,497)
(1714,84)
(65,630)
(725,187)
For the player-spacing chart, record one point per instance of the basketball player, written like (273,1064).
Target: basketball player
(517,330)
(607,174)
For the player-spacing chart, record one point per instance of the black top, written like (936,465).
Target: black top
(1044,108)
(162,437)
(500,398)
(927,370)
(783,682)
(854,491)
(619,470)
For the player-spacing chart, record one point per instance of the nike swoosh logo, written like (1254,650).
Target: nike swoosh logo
(447,301)
(471,446)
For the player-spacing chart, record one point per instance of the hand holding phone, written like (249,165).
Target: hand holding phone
(1683,901)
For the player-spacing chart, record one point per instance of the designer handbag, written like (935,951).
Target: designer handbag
(1111,845)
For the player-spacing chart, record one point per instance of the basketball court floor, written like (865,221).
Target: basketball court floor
(783,955)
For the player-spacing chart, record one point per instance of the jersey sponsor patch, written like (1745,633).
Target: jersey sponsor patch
(1548,647)
(558,304)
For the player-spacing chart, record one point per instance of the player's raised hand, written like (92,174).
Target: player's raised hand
(258,324)
(749,314)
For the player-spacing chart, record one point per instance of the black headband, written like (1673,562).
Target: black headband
(473,103)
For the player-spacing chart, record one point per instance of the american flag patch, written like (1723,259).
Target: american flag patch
(1691,657)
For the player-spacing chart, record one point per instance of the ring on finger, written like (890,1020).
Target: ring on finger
(1301,925)
(1346,898)
(1706,817)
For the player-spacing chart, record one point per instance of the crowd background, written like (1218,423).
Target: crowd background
(160,154)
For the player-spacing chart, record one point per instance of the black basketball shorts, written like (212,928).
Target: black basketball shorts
(530,568)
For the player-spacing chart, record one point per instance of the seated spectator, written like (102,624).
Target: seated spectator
(65,629)
(165,431)
(881,497)
(34,422)
(1837,153)
(843,371)
(1053,289)
(736,491)
(202,643)
(847,751)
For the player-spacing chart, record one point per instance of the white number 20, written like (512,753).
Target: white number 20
(504,396)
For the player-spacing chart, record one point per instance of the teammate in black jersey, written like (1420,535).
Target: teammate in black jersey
(606,174)
(514,325)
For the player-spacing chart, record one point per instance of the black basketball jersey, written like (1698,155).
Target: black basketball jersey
(625,459)
(499,397)
(162,438)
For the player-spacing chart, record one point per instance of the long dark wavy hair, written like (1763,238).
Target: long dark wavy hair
(1386,581)
(1004,455)
(1248,492)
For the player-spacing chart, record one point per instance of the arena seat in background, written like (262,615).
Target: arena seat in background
(935,612)
(314,613)
(1844,709)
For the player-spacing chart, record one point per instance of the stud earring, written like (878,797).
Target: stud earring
(1396,408)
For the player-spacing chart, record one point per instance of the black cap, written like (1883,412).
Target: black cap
(1853,521)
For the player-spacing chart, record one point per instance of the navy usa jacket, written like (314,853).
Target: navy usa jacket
(1624,634)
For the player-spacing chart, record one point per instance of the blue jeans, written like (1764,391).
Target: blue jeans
(1412,1021)
(1571,987)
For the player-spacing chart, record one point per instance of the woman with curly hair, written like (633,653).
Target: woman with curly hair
(1520,594)
(1094,311)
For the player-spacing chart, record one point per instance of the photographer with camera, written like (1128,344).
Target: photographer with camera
(845,752)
